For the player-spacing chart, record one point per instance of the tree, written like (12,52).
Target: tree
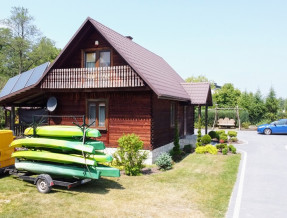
(227,96)
(21,44)
(254,104)
(198,79)
(272,105)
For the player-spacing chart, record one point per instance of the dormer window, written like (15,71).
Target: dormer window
(97,59)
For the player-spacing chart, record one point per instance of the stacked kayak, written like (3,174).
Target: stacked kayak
(64,151)
(6,137)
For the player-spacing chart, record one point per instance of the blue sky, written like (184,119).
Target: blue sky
(240,42)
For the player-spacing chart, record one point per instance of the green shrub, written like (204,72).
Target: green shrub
(211,149)
(198,140)
(234,139)
(212,134)
(225,151)
(245,125)
(200,150)
(223,137)
(219,132)
(232,149)
(188,148)
(221,146)
(164,161)
(232,133)
(128,154)
(206,149)
(206,139)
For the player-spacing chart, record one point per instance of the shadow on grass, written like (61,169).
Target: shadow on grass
(100,186)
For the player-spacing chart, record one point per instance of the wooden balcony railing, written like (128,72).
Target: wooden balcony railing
(101,77)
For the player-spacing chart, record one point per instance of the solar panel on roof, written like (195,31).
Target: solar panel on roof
(37,73)
(24,80)
(9,86)
(20,84)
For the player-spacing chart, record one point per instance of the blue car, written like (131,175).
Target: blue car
(276,127)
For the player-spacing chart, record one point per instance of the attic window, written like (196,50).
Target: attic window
(98,58)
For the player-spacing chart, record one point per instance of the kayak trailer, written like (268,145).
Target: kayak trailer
(44,182)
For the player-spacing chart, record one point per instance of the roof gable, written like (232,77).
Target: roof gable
(153,69)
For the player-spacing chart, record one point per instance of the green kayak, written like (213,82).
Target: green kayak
(54,157)
(69,171)
(63,158)
(61,131)
(62,170)
(69,145)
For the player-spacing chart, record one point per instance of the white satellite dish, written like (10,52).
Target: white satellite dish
(51,104)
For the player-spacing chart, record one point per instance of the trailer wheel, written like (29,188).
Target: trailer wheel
(43,186)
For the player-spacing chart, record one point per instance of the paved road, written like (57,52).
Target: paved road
(261,190)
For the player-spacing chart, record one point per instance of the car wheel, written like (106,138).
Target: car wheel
(267,131)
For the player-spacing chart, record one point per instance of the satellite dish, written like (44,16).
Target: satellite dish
(51,104)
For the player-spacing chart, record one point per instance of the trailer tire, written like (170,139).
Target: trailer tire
(43,186)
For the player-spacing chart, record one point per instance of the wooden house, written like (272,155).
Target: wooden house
(116,83)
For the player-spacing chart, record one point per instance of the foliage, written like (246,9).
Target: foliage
(221,146)
(272,105)
(212,134)
(176,148)
(224,151)
(129,155)
(264,121)
(232,149)
(227,96)
(254,104)
(206,149)
(21,45)
(232,133)
(245,125)
(188,148)
(200,78)
(234,139)
(223,137)
(219,132)
(243,114)
(164,161)
(198,140)
(206,139)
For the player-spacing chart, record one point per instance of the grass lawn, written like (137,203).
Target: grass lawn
(198,186)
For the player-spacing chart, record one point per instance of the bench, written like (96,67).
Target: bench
(226,122)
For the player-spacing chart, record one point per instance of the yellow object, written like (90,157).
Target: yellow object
(5,154)
(6,137)
(7,163)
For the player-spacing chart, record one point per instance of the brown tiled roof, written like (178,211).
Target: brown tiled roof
(153,69)
(199,93)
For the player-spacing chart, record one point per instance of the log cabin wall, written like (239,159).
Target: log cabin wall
(127,112)
(162,131)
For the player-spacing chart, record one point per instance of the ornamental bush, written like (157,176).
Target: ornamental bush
(212,134)
(206,149)
(232,149)
(219,132)
(233,139)
(223,137)
(164,161)
(128,154)
(225,151)
(206,139)
(221,146)
(232,133)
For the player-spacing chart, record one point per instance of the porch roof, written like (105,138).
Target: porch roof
(199,93)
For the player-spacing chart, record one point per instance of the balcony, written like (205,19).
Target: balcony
(101,77)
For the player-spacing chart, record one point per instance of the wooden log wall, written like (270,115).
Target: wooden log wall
(128,112)
(162,132)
